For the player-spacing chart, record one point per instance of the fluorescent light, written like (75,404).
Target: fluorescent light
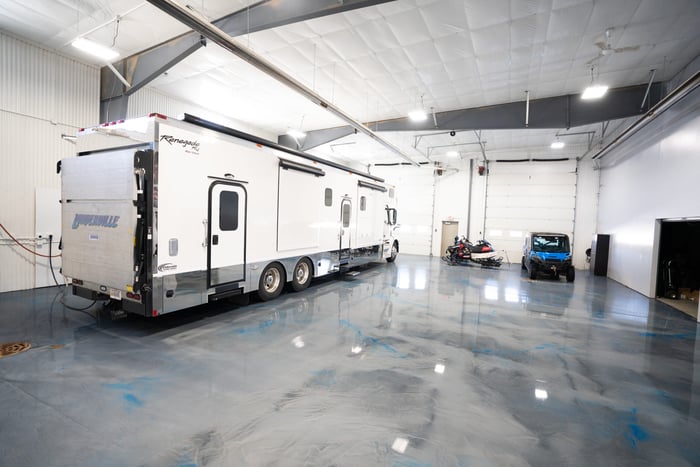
(97,50)
(417,115)
(557,144)
(452,153)
(296,133)
(541,394)
(594,91)
(439,368)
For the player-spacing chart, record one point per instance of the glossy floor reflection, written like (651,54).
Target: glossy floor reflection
(412,363)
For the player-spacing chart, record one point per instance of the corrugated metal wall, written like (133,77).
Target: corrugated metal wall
(42,95)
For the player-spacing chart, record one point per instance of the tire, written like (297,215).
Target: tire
(533,272)
(522,264)
(302,275)
(570,274)
(394,253)
(271,282)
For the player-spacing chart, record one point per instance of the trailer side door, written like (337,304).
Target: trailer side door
(226,236)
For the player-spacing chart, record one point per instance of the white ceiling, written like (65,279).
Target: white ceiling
(380,62)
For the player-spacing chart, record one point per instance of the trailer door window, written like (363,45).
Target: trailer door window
(328,197)
(228,210)
(346,215)
(363,203)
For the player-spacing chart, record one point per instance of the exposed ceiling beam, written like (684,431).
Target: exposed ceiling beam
(551,112)
(143,67)
(224,40)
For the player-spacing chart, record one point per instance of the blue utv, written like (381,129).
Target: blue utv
(548,253)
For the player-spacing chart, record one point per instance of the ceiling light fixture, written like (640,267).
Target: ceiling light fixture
(95,49)
(452,153)
(557,144)
(418,115)
(594,91)
(297,134)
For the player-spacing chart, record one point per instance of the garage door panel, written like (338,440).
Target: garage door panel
(533,168)
(530,180)
(533,202)
(529,190)
(528,197)
(515,214)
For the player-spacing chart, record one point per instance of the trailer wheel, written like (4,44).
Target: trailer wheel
(271,282)
(302,275)
(394,253)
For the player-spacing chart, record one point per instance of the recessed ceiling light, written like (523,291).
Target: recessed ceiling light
(417,115)
(557,144)
(94,49)
(594,91)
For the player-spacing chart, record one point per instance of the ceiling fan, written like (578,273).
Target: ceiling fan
(607,49)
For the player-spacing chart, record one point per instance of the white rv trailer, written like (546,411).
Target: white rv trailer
(161,214)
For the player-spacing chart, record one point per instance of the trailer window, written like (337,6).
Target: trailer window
(328,197)
(346,215)
(228,210)
(363,203)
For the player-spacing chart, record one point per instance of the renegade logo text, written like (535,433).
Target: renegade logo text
(95,220)
(192,145)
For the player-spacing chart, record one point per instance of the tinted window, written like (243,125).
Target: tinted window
(550,243)
(328,197)
(346,215)
(363,203)
(228,210)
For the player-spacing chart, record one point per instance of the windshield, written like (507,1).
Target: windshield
(550,243)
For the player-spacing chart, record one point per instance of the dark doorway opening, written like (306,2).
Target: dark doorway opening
(678,276)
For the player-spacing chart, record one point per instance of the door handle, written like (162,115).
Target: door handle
(214,239)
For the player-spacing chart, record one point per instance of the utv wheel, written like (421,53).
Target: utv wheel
(570,275)
(271,282)
(533,272)
(394,253)
(522,264)
(302,275)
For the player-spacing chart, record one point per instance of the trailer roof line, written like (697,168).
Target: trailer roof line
(257,140)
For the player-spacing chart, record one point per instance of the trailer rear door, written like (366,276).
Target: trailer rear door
(99,218)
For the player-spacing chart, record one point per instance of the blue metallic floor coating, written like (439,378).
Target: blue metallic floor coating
(408,364)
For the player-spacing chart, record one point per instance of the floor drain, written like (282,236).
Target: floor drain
(13,348)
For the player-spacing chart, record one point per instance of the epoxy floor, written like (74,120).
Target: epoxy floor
(407,364)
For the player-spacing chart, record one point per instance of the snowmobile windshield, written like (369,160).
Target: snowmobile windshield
(550,244)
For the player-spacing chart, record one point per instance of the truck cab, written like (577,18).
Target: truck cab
(548,253)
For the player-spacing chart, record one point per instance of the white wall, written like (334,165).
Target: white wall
(587,184)
(42,95)
(653,175)
(148,100)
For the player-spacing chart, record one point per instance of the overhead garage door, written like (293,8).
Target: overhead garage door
(414,203)
(529,196)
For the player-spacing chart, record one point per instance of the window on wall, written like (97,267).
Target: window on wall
(346,215)
(228,210)
(328,197)
(363,203)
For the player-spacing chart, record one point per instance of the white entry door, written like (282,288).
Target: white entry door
(227,233)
